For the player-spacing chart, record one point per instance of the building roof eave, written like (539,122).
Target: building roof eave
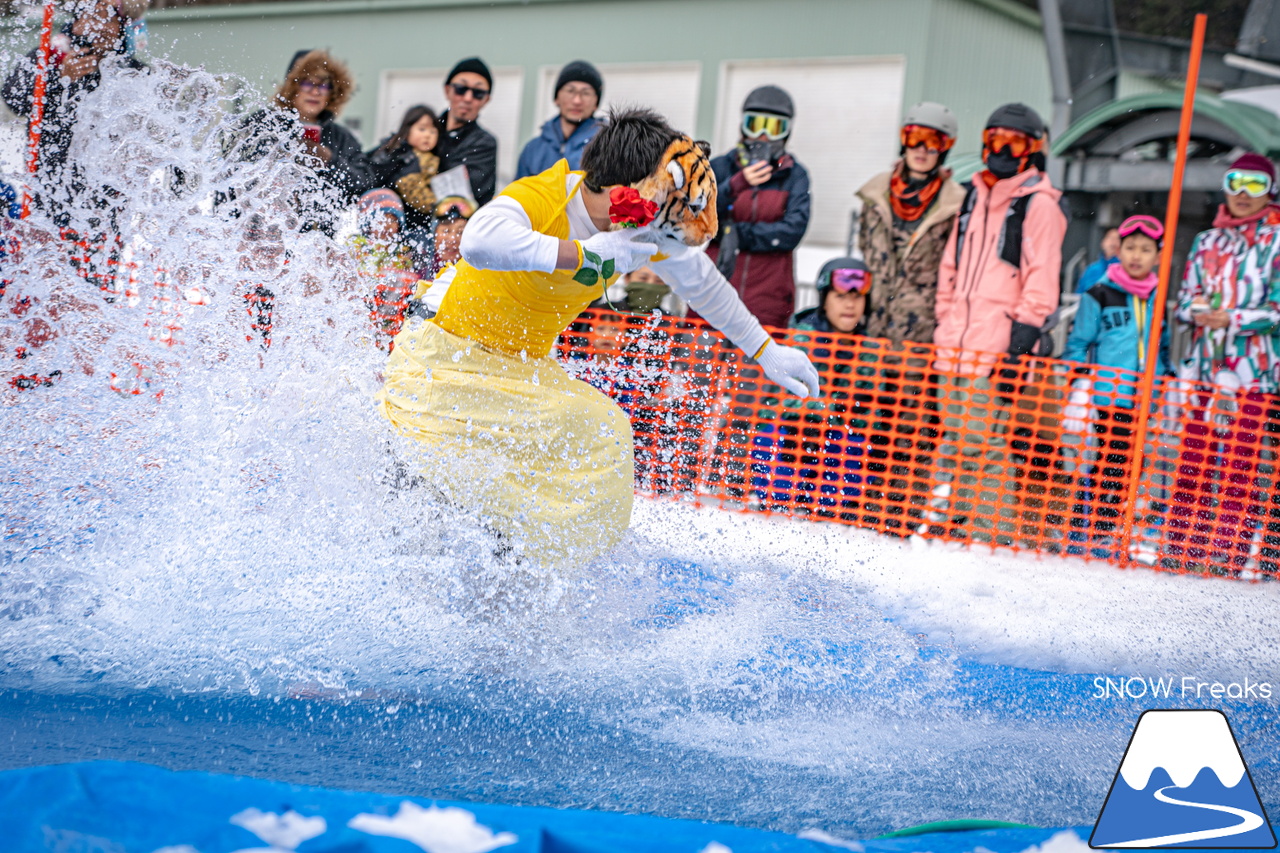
(1007,8)
(1258,126)
(1010,9)
(325,7)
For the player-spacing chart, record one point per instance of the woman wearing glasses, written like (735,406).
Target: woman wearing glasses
(763,206)
(998,282)
(315,89)
(907,214)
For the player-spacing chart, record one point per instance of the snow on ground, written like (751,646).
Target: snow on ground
(1050,612)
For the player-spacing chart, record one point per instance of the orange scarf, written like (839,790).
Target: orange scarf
(909,203)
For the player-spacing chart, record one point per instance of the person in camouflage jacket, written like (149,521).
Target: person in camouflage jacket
(903,260)
(907,215)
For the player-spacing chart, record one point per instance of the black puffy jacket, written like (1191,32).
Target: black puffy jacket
(389,167)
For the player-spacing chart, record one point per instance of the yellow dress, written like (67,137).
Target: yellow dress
(542,458)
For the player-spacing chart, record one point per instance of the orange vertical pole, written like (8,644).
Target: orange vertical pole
(35,127)
(1166,269)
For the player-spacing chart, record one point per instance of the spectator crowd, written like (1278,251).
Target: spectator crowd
(974,269)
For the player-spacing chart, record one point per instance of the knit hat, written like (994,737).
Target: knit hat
(473,64)
(1256,163)
(580,71)
(377,202)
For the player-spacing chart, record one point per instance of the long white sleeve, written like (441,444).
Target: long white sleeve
(500,237)
(693,276)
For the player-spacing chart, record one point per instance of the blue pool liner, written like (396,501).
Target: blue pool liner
(139,808)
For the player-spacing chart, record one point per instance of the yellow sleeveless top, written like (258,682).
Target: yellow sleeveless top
(523,311)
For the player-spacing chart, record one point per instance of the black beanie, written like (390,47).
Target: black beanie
(580,71)
(475,65)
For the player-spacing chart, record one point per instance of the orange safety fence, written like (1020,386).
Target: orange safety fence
(1028,454)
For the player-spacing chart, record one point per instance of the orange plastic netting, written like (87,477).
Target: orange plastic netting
(1031,454)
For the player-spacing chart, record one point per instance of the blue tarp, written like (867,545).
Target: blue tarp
(120,807)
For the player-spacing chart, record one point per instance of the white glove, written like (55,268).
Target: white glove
(790,368)
(613,252)
(1077,414)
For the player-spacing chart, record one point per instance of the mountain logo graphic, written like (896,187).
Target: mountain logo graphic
(1183,783)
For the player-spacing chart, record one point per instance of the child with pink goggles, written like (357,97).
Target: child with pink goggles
(1143,224)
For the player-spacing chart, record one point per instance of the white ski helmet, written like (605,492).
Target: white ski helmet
(929,114)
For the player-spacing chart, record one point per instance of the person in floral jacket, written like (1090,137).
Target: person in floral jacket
(1231,296)
(1231,289)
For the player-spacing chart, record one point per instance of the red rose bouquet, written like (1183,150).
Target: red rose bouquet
(629,209)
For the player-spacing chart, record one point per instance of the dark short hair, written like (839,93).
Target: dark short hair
(627,149)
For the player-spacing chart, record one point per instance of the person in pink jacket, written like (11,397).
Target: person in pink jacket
(999,278)
(997,285)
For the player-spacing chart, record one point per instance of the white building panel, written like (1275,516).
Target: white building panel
(671,88)
(845,130)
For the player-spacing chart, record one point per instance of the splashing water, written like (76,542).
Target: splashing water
(200,520)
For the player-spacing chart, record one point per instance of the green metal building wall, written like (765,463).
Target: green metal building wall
(971,54)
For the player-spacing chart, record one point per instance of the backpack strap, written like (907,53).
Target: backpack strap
(1011,233)
(962,220)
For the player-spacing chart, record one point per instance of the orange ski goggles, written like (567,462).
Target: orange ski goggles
(1019,144)
(915,135)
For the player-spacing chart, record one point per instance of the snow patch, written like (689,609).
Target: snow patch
(435,830)
(1044,612)
(823,837)
(1063,842)
(282,832)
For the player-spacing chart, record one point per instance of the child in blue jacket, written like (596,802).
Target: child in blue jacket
(1112,330)
(1115,316)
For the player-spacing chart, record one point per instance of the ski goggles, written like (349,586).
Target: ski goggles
(851,281)
(767,125)
(1255,184)
(1142,224)
(454,207)
(915,135)
(1018,143)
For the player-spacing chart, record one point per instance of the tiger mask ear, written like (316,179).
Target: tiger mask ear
(684,188)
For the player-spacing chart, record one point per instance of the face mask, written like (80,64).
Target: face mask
(1002,164)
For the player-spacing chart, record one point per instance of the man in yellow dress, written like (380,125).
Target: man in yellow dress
(544,459)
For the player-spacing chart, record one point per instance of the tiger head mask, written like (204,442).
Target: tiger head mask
(684,188)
